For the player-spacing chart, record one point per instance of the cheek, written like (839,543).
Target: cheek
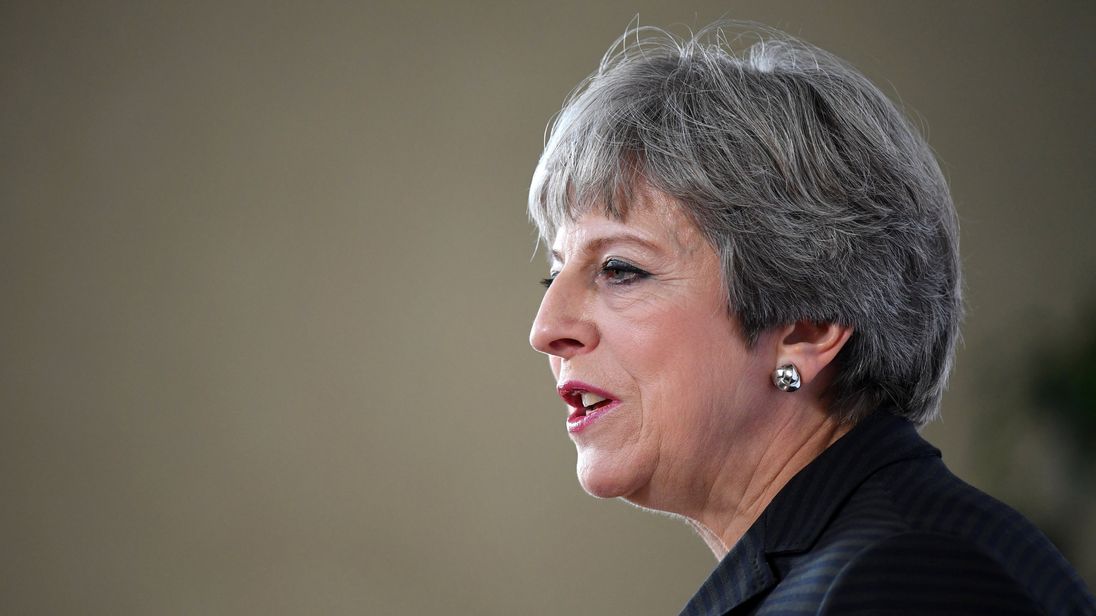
(700,367)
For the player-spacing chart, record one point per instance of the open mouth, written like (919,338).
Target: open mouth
(585,401)
(591,402)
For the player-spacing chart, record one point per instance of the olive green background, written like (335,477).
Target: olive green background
(267,281)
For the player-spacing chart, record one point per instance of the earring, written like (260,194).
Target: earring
(786,378)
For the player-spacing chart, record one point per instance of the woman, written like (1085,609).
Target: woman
(753,302)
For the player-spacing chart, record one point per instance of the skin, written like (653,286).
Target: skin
(700,430)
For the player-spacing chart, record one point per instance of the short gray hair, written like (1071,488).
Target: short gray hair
(824,203)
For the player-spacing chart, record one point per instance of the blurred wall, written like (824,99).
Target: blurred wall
(267,282)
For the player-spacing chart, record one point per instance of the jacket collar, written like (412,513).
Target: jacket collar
(803,508)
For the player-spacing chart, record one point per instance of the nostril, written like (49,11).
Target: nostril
(563,346)
(567,342)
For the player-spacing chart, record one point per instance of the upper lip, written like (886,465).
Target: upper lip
(571,391)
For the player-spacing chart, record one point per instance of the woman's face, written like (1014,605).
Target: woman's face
(655,373)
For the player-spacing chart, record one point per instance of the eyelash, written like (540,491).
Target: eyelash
(622,272)
(618,272)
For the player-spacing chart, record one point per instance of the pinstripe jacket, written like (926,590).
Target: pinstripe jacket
(878,525)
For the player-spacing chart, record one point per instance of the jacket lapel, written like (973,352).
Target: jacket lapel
(804,508)
(808,504)
(742,574)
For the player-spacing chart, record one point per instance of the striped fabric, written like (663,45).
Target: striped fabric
(878,525)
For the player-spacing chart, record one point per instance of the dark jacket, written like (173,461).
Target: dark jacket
(878,525)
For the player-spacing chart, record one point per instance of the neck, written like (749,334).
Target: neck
(741,492)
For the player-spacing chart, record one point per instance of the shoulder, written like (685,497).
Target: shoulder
(916,539)
(882,526)
(918,572)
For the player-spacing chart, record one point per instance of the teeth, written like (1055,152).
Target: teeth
(589,399)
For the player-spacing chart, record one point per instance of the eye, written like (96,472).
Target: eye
(619,272)
(547,282)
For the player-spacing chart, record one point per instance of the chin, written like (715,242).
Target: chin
(604,478)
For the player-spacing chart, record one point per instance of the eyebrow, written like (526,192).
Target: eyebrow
(598,243)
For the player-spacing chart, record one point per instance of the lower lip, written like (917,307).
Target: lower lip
(576,424)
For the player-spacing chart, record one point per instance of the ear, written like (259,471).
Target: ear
(810,347)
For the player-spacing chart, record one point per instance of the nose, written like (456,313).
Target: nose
(563,328)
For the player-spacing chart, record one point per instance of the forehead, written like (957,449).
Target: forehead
(652,221)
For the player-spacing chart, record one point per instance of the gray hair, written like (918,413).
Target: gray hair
(823,201)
